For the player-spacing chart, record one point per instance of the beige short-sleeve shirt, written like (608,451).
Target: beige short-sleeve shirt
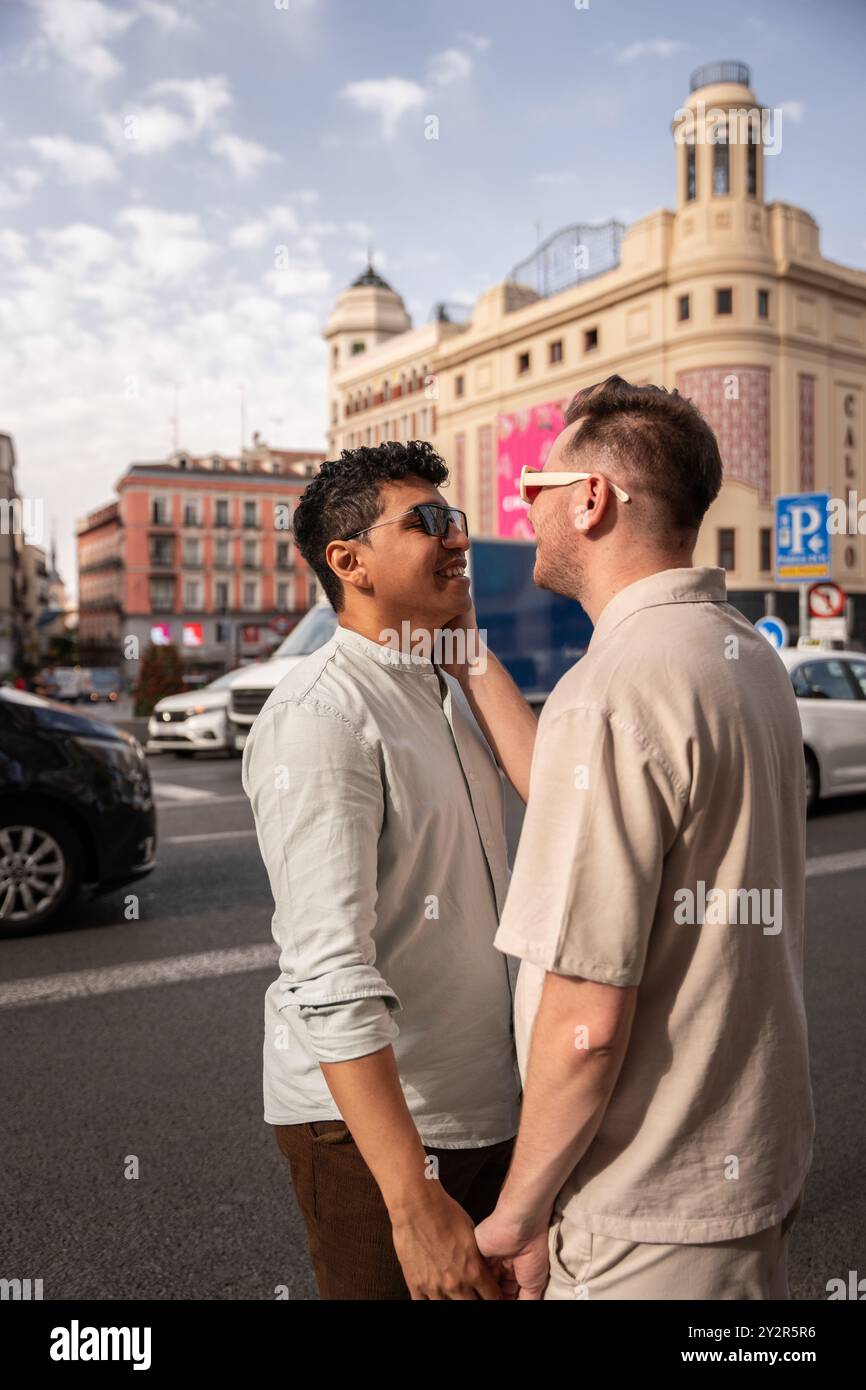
(664,847)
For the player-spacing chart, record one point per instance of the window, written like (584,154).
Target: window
(386,390)
(590,339)
(221,515)
(250,514)
(858,671)
(726,548)
(162,552)
(752,163)
(249,593)
(724,301)
(160,514)
(766,549)
(162,595)
(191,514)
(216,464)
(722,166)
(221,597)
(192,594)
(221,552)
(459,385)
(555,352)
(827,680)
(191,555)
(223,631)
(335,355)
(683,308)
(250,555)
(283,595)
(284,561)
(522,363)
(357,347)
(763,304)
(691,174)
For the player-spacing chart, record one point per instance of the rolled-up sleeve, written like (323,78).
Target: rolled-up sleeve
(317,797)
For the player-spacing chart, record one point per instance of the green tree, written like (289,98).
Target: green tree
(161,674)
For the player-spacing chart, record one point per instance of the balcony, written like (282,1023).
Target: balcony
(252,564)
(162,562)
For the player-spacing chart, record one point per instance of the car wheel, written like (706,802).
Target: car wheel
(813,782)
(40,868)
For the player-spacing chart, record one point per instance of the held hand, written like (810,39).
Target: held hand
(526,1257)
(435,1244)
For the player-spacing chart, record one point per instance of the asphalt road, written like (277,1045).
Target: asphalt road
(146,1056)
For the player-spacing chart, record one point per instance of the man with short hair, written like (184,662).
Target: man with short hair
(667,1121)
(389,1067)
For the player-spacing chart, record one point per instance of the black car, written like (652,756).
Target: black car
(76,808)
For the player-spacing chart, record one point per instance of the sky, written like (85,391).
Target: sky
(186,185)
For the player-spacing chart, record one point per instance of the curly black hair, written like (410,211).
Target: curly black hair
(345,496)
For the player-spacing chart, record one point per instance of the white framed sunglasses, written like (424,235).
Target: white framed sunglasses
(532,480)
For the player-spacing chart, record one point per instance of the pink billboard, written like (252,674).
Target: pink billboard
(525,437)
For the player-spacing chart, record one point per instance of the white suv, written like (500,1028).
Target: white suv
(251,685)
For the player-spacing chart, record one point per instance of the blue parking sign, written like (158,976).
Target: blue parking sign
(802,537)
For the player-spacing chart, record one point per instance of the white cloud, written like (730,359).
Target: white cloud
(79,32)
(166,244)
(479,41)
(79,163)
(166,16)
(17,186)
(245,157)
(449,66)
(12,245)
(152,127)
(280,220)
(793,110)
(204,97)
(650,48)
(389,98)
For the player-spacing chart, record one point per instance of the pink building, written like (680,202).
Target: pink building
(197,551)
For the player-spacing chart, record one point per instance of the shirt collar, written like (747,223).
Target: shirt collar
(705,584)
(388,656)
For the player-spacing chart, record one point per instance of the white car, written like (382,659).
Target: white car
(192,722)
(251,685)
(831,696)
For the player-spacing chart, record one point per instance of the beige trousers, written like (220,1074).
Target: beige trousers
(585,1265)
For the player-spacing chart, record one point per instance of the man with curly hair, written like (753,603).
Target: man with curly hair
(389,1063)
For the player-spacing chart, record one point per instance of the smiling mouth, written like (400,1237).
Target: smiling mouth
(453,572)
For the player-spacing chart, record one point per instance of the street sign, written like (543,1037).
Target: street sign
(802,537)
(775,631)
(835,628)
(826,601)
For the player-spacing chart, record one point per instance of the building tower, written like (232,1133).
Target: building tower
(369,312)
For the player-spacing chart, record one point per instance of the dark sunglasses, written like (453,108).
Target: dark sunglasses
(435,518)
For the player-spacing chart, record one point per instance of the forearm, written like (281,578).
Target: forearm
(506,720)
(369,1096)
(567,1092)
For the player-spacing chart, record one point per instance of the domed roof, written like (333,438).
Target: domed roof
(370,277)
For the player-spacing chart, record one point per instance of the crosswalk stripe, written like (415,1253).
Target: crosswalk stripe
(113,979)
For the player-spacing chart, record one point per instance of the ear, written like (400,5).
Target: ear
(588,506)
(348,564)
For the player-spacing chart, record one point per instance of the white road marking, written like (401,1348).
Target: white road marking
(205,836)
(113,979)
(177,791)
(835,863)
(210,797)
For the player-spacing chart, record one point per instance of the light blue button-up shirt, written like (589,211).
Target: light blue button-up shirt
(379,810)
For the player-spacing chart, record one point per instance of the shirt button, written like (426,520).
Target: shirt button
(472,777)
(489,844)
